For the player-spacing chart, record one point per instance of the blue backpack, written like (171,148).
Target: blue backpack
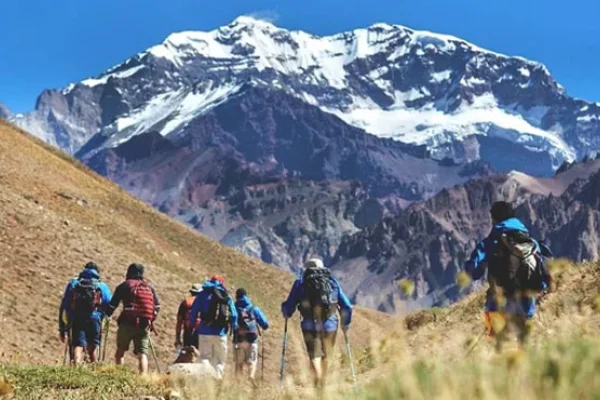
(247,321)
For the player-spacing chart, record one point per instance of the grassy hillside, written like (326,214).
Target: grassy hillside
(441,356)
(55,215)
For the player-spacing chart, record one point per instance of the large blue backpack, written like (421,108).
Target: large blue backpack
(247,321)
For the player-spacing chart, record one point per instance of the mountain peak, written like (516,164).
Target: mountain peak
(249,20)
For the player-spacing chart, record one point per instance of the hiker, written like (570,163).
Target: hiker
(245,339)
(318,297)
(140,309)
(217,314)
(183,320)
(81,313)
(515,268)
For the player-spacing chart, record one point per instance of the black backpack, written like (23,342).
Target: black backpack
(218,315)
(515,264)
(86,296)
(320,298)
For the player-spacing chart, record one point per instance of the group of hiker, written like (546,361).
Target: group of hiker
(512,259)
(205,318)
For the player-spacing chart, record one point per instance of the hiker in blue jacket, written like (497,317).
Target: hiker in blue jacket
(251,320)
(218,315)
(515,267)
(82,311)
(319,320)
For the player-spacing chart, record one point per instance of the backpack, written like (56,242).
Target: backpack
(85,297)
(217,315)
(247,321)
(516,263)
(140,308)
(320,298)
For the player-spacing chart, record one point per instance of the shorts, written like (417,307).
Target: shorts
(140,336)
(190,338)
(246,353)
(319,344)
(86,332)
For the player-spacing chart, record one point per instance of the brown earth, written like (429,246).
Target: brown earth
(56,215)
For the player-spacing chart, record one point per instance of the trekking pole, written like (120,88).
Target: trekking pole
(66,353)
(283,352)
(70,342)
(349,351)
(262,356)
(154,355)
(105,341)
(476,343)
(262,362)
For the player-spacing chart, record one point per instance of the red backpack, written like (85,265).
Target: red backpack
(140,304)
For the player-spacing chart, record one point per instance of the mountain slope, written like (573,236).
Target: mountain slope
(264,169)
(413,86)
(429,241)
(56,215)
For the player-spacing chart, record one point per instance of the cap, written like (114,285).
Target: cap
(314,263)
(196,288)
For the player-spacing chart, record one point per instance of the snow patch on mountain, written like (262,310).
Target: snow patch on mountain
(91,82)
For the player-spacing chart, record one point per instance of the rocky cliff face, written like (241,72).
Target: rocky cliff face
(274,176)
(428,242)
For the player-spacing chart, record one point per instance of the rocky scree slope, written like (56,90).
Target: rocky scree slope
(429,241)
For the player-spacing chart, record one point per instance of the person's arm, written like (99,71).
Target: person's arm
(62,311)
(195,310)
(289,306)
(115,300)
(233,320)
(105,295)
(181,314)
(156,302)
(261,318)
(345,308)
(476,264)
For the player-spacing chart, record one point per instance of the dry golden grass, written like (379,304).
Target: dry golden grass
(55,215)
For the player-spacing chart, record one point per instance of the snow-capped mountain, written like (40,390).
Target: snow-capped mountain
(418,87)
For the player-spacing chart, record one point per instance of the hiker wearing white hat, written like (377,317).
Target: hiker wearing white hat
(183,320)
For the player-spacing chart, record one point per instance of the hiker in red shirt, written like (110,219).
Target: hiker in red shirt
(190,338)
(140,308)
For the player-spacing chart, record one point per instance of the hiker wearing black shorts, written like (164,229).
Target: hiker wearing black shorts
(81,313)
(319,298)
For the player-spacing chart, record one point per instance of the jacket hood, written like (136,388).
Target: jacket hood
(244,302)
(511,224)
(212,284)
(89,274)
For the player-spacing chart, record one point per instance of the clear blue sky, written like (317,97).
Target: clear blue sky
(50,43)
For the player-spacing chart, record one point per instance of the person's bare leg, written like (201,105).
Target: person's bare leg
(317,370)
(252,361)
(93,354)
(324,370)
(120,357)
(78,355)
(143,364)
